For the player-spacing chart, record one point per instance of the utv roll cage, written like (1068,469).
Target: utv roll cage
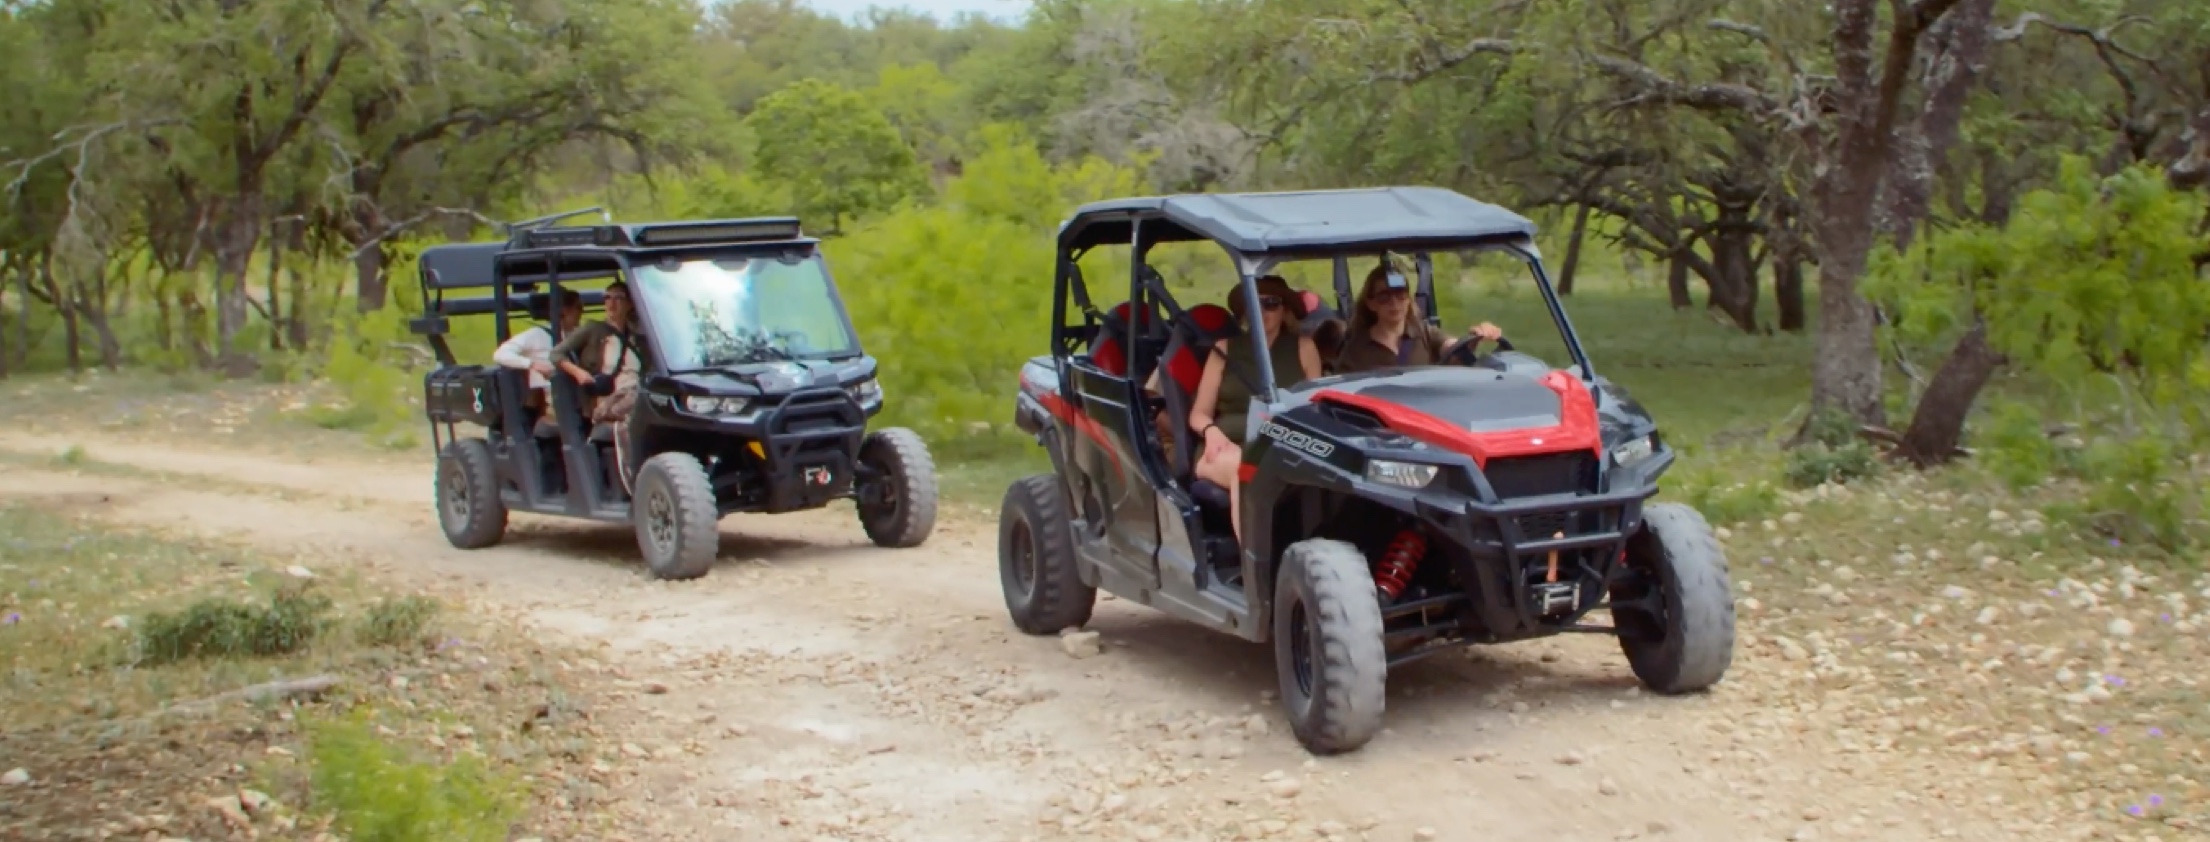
(1261,231)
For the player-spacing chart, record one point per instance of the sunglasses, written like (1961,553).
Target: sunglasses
(1270,302)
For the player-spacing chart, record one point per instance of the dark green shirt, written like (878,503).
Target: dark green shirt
(1233,402)
(1421,344)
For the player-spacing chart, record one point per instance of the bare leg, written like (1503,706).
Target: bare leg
(1219,468)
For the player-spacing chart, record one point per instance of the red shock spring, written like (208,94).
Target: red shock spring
(1399,562)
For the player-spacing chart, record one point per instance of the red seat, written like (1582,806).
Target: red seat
(1186,367)
(1109,354)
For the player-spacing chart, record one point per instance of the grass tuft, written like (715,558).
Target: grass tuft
(377,792)
(218,627)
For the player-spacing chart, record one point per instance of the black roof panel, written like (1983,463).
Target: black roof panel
(1309,219)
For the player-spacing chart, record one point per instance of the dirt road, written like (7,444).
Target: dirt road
(846,692)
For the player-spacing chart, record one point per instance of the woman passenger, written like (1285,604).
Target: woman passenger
(1221,408)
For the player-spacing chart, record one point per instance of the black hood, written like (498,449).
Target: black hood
(779,376)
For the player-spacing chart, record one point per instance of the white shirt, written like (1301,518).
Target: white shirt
(525,349)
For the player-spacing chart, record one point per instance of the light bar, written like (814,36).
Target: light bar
(597,235)
(771,228)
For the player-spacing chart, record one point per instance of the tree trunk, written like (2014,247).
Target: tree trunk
(23,324)
(1676,282)
(72,342)
(1788,291)
(295,319)
(276,300)
(239,236)
(195,318)
(369,283)
(1573,251)
(1734,279)
(1938,424)
(1846,374)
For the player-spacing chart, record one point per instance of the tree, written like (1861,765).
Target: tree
(839,157)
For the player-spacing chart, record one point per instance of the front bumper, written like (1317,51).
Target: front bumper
(798,451)
(1533,565)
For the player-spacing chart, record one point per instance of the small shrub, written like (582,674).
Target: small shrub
(2017,451)
(1724,500)
(348,417)
(397,622)
(1815,464)
(376,793)
(2133,494)
(224,628)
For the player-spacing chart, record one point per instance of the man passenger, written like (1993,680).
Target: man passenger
(531,349)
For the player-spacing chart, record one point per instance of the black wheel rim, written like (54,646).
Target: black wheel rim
(457,503)
(880,500)
(1300,649)
(660,520)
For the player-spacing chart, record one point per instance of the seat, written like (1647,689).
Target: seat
(602,434)
(1189,344)
(545,429)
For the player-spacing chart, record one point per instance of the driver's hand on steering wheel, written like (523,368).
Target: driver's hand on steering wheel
(1486,331)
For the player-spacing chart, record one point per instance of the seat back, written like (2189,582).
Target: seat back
(1189,345)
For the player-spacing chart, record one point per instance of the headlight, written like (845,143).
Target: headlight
(710,405)
(866,391)
(1634,451)
(1405,474)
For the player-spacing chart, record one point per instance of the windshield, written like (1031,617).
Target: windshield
(714,312)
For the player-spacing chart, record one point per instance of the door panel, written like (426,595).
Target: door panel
(1106,454)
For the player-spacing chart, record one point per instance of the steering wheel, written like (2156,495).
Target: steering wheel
(1464,354)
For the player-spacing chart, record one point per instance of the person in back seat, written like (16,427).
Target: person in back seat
(531,349)
(1220,410)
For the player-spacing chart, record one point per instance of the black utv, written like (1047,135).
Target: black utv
(753,393)
(1389,514)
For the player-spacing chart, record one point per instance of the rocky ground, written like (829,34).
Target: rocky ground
(1900,676)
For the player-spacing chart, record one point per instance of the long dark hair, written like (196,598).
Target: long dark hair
(1362,314)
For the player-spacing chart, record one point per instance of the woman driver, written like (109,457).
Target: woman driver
(1221,407)
(1387,329)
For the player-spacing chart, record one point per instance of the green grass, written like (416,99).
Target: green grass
(119,644)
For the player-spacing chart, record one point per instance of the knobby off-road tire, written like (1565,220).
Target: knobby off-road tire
(1036,565)
(468,502)
(675,518)
(1694,640)
(1328,646)
(910,515)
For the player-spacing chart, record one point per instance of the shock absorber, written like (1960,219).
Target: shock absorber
(1394,572)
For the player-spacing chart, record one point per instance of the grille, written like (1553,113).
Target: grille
(1539,527)
(1532,476)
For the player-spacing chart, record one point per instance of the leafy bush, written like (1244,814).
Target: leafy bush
(225,628)
(2133,493)
(379,794)
(1817,464)
(2016,450)
(1712,488)
(1833,454)
(397,622)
